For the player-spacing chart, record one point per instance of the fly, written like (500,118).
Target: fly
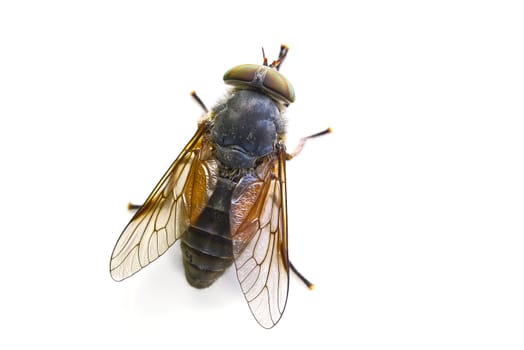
(224,197)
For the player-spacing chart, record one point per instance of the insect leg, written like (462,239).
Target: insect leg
(264,58)
(281,56)
(199,101)
(302,142)
(132,206)
(301,276)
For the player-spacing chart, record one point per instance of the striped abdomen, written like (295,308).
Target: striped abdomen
(206,245)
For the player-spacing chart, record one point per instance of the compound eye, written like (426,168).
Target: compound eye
(277,83)
(262,77)
(244,73)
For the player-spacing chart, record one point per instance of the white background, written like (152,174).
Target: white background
(408,218)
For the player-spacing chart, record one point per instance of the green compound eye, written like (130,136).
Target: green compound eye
(262,77)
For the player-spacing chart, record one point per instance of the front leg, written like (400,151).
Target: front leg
(302,142)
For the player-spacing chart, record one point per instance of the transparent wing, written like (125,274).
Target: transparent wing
(259,233)
(165,215)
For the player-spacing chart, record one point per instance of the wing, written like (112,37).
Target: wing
(259,233)
(176,200)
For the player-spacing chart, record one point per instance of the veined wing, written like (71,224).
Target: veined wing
(176,200)
(259,233)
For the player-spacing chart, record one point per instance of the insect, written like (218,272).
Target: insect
(224,197)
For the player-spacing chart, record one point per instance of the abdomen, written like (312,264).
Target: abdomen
(206,245)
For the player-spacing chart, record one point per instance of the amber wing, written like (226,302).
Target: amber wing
(259,233)
(165,215)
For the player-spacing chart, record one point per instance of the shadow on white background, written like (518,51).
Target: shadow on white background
(408,218)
